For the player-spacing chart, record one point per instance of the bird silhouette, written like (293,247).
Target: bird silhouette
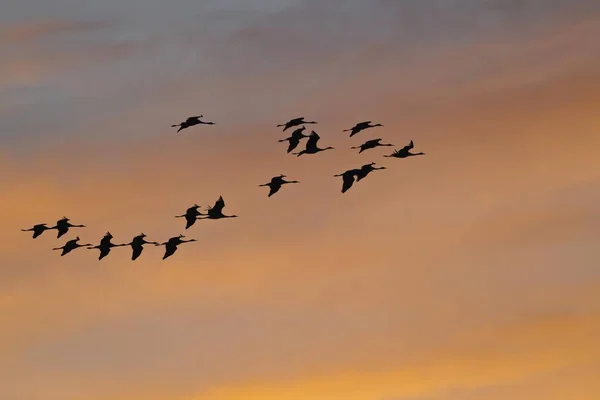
(216,211)
(171,245)
(70,246)
(371,144)
(276,183)
(294,140)
(405,152)
(361,126)
(190,215)
(63,225)
(355,175)
(311,145)
(366,170)
(137,245)
(348,178)
(295,122)
(38,229)
(106,245)
(191,121)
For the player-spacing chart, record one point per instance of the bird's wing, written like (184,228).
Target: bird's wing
(190,220)
(312,141)
(137,250)
(348,179)
(104,251)
(170,248)
(408,146)
(274,189)
(296,120)
(293,144)
(219,205)
(62,230)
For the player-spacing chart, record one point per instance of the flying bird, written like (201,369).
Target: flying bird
(361,126)
(216,211)
(348,178)
(294,140)
(63,225)
(191,121)
(355,175)
(38,229)
(311,145)
(191,215)
(171,245)
(371,144)
(405,152)
(276,183)
(70,246)
(137,245)
(366,170)
(295,122)
(106,245)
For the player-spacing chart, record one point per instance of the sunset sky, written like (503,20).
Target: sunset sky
(471,273)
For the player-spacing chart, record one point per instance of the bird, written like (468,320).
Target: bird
(216,211)
(348,178)
(276,183)
(295,122)
(171,245)
(70,246)
(366,170)
(311,145)
(191,121)
(63,225)
(106,245)
(38,229)
(137,244)
(294,140)
(405,152)
(371,144)
(190,215)
(360,127)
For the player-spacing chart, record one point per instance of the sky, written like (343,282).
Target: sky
(469,273)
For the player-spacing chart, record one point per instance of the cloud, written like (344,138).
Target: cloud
(29,31)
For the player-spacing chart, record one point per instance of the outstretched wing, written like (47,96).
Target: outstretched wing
(348,178)
(312,140)
(219,205)
(274,189)
(62,230)
(190,220)
(104,252)
(296,120)
(408,147)
(137,251)
(293,144)
(170,249)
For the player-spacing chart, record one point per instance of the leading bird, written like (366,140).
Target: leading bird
(405,152)
(191,121)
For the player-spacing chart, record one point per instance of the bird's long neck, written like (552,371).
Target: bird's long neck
(416,154)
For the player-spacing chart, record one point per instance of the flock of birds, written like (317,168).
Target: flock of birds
(193,214)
